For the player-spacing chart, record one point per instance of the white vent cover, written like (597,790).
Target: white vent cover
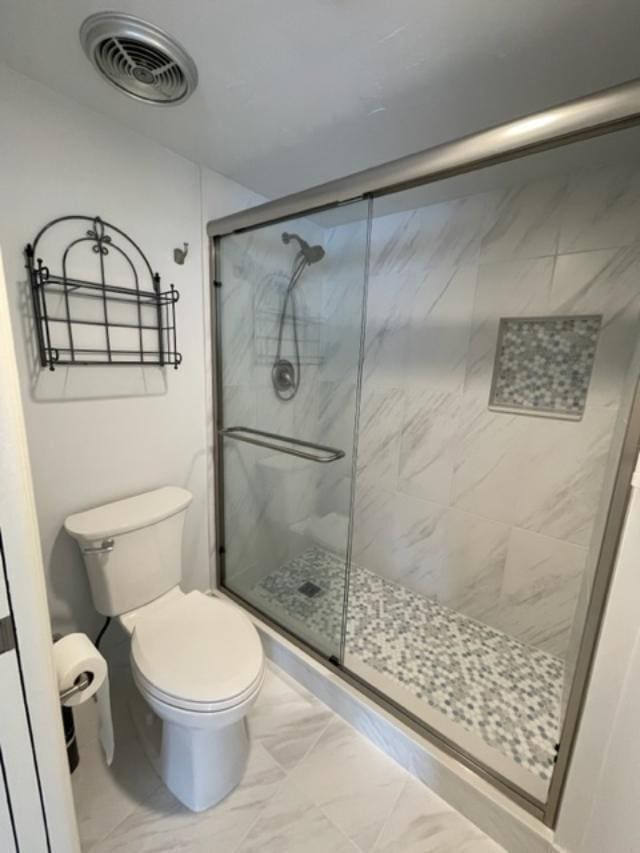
(139,58)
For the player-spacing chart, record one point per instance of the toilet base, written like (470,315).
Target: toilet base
(199,766)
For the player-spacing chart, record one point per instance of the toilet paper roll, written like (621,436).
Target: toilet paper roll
(105,723)
(73,655)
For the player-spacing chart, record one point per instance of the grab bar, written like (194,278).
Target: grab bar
(234,432)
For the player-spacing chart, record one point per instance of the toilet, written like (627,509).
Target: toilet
(197,661)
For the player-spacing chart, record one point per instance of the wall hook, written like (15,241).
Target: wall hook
(179,255)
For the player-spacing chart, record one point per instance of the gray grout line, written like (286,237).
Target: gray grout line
(262,808)
(317,740)
(391,811)
(138,807)
(287,772)
(333,718)
(338,829)
(304,756)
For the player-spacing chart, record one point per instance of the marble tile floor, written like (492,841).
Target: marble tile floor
(506,693)
(313,785)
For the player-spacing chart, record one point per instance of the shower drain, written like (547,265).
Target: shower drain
(309,589)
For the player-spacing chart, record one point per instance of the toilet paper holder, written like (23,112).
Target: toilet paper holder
(81,683)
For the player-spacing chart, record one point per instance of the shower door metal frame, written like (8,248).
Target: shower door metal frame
(601,113)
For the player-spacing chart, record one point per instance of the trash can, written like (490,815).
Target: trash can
(69,728)
(70,739)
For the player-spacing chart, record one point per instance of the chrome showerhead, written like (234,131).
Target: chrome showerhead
(311,254)
(314,254)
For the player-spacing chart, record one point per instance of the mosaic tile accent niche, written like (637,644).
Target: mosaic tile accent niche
(543,365)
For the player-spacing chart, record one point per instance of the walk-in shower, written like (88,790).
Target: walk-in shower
(434,508)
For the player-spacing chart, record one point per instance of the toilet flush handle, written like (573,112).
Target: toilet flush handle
(106,546)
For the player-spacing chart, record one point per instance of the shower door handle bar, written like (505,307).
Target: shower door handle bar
(277,442)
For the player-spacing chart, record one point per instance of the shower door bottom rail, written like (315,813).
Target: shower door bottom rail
(313,452)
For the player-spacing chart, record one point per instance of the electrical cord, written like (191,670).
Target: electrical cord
(102,631)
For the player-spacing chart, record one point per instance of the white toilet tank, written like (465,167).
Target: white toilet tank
(132,548)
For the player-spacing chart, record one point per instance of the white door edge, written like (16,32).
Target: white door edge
(28,600)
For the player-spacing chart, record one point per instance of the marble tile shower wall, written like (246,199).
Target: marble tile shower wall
(342,326)
(490,512)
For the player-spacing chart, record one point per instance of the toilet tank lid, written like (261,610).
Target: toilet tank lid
(129,514)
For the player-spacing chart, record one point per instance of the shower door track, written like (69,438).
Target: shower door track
(604,112)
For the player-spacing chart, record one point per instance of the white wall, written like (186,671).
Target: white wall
(97,434)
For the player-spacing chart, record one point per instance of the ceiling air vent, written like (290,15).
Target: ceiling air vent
(139,58)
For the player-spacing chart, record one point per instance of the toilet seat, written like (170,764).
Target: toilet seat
(181,704)
(197,653)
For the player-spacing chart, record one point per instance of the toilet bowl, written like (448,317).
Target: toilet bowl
(197,661)
(199,665)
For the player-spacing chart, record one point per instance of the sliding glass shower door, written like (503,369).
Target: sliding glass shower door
(289,303)
(501,359)
(494,395)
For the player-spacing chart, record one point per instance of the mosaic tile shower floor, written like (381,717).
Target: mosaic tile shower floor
(495,687)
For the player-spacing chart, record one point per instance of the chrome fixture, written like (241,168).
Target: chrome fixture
(311,254)
(279,442)
(139,58)
(285,376)
(79,685)
(104,548)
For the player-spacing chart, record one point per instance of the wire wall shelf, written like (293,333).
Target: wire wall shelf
(105,306)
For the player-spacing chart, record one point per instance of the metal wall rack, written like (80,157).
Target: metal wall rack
(111,312)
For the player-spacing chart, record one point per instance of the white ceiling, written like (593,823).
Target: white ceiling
(296,92)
